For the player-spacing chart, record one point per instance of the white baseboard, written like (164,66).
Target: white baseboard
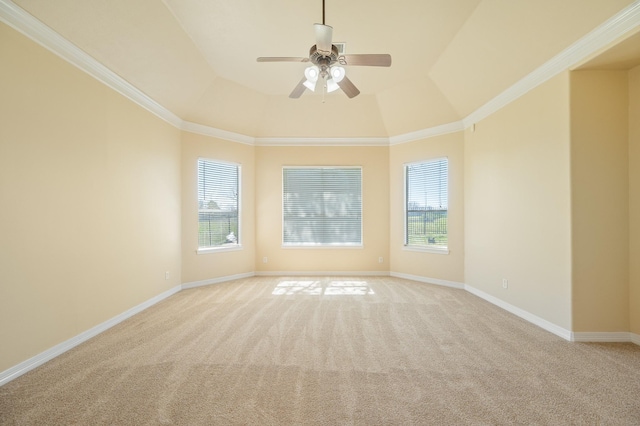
(33,362)
(322,273)
(616,336)
(427,280)
(534,319)
(194,284)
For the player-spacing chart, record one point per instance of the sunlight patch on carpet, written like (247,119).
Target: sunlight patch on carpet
(319,288)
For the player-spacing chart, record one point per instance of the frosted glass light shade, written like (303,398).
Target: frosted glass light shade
(337,73)
(332,86)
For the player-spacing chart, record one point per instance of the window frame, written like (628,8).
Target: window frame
(339,246)
(222,247)
(417,247)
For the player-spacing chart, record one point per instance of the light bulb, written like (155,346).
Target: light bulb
(312,73)
(337,73)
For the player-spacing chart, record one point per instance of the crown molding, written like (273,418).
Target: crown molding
(443,129)
(603,35)
(23,22)
(201,129)
(322,141)
(608,32)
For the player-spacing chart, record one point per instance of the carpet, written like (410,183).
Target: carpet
(328,350)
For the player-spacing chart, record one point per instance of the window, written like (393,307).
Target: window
(218,204)
(426,204)
(322,206)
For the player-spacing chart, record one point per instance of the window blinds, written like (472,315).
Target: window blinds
(322,206)
(218,203)
(427,203)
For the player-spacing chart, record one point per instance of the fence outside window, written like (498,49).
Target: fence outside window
(427,227)
(217,228)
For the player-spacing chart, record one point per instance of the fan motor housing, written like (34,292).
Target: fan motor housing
(318,59)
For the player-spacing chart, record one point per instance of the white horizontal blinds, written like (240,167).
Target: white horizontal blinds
(322,206)
(427,203)
(218,195)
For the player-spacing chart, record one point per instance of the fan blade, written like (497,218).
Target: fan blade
(282,59)
(348,87)
(372,60)
(299,89)
(324,33)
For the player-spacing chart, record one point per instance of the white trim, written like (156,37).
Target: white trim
(36,361)
(606,33)
(319,246)
(22,21)
(533,319)
(322,141)
(443,129)
(619,336)
(427,280)
(425,249)
(200,129)
(405,179)
(194,284)
(321,273)
(220,249)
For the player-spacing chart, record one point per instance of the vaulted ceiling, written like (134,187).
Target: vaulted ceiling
(197,58)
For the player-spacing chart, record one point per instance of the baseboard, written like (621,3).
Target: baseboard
(28,365)
(322,273)
(194,284)
(533,319)
(617,336)
(36,361)
(427,280)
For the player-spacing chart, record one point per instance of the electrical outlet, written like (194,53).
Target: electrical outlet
(265,259)
(380,259)
(166,275)
(505,283)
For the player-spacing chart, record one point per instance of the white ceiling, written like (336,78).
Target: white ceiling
(197,58)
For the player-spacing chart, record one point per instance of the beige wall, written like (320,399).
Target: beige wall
(449,267)
(89,201)
(634,199)
(202,267)
(599,197)
(517,208)
(375,189)
(337,117)
(98,200)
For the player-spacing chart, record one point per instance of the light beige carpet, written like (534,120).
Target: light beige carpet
(372,351)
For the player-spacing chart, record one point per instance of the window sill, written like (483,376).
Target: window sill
(434,250)
(322,246)
(220,249)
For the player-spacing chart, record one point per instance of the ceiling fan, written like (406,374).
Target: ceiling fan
(327,64)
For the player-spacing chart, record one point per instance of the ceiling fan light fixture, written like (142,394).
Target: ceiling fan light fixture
(324,55)
(337,74)
(312,73)
(332,86)
(309,85)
